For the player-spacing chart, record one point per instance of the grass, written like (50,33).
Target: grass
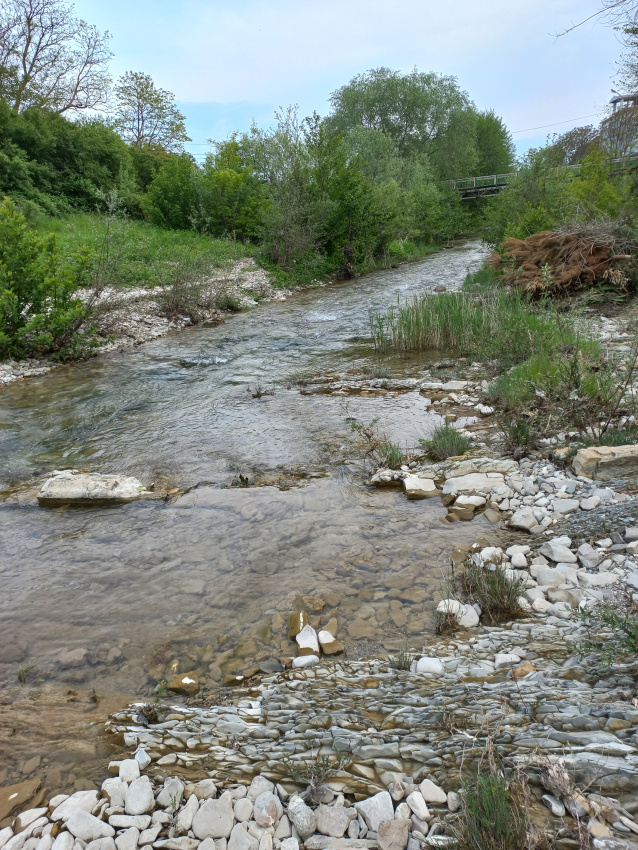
(496,594)
(143,255)
(620,623)
(446,442)
(493,814)
(403,659)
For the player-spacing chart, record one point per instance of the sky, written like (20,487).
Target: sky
(231,61)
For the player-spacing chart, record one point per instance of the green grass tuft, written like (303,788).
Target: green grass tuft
(446,442)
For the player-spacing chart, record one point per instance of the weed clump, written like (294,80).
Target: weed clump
(446,442)
(495,592)
(403,659)
(493,814)
(619,623)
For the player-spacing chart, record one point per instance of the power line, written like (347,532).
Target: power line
(568,121)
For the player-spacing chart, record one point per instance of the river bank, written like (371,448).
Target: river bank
(201,587)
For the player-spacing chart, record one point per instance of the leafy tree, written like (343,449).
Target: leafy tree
(50,59)
(593,190)
(39,308)
(422,112)
(233,193)
(619,132)
(146,116)
(173,197)
(494,144)
(572,146)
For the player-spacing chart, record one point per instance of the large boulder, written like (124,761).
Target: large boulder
(605,463)
(89,488)
(419,488)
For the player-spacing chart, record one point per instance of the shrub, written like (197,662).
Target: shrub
(390,454)
(493,813)
(39,309)
(620,622)
(496,594)
(446,442)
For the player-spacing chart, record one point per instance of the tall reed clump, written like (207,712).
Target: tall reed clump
(489,323)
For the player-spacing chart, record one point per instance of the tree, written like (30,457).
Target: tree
(422,112)
(50,59)
(172,198)
(570,147)
(619,132)
(493,143)
(146,116)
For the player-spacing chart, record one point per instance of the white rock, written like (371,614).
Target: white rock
(506,659)
(376,809)
(430,665)
(517,549)
(432,793)
(519,561)
(89,488)
(449,606)
(468,618)
(307,639)
(64,841)
(596,579)
(204,789)
(139,797)
(268,809)
(243,810)
(290,844)
(170,797)
(470,501)
(302,816)
(5,835)
(325,637)
(492,555)
(86,827)
(184,819)
(258,786)
(419,488)
(523,519)
(83,800)
(302,661)
(129,770)
(418,805)
(129,821)
(474,482)
(142,758)
(214,818)
(128,839)
(541,605)
(558,552)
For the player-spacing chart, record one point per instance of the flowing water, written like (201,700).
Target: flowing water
(205,581)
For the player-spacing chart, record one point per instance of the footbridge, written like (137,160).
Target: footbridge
(492,184)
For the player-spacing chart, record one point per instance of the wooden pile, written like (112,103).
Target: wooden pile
(558,263)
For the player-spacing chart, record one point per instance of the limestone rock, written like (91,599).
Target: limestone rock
(129,770)
(473,483)
(139,797)
(605,463)
(214,818)
(418,805)
(240,839)
(204,789)
(307,641)
(419,488)
(187,683)
(128,839)
(89,488)
(430,665)
(268,809)
(243,810)
(523,519)
(588,556)
(329,644)
(332,820)
(258,786)
(558,552)
(305,661)
(393,834)
(86,827)
(170,797)
(376,809)
(296,622)
(84,800)
(302,816)
(432,793)
(184,819)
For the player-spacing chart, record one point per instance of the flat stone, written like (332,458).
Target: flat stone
(186,683)
(84,800)
(393,834)
(558,552)
(243,810)
(25,819)
(474,482)
(139,797)
(259,785)
(127,821)
(554,577)
(376,809)
(588,556)
(324,842)
(565,506)
(214,818)
(289,844)
(554,805)
(332,820)
(596,579)
(89,488)
(86,827)
(433,793)
(302,661)
(64,841)
(506,659)
(419,488)
(170,797)
(589,504)
(184,820)
(128,840)
(204,789)
(101,844)
(523,519)
(519,561)
(606,463)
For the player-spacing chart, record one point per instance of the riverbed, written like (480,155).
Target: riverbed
(205,580)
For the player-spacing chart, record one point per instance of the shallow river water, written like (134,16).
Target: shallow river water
(205,581)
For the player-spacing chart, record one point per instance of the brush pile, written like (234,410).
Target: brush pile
(550,263)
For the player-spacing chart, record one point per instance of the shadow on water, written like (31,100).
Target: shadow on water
(206,582)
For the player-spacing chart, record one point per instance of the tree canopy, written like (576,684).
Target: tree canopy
(50,59)
(146,116)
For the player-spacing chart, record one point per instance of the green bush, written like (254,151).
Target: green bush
(493,814)
(446,442)
(620,626)
(496,594)
(39,308)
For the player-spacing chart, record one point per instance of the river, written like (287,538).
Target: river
(205,581)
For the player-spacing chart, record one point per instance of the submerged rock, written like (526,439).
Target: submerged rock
(89,488)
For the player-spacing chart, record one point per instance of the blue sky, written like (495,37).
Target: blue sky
(229,62)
